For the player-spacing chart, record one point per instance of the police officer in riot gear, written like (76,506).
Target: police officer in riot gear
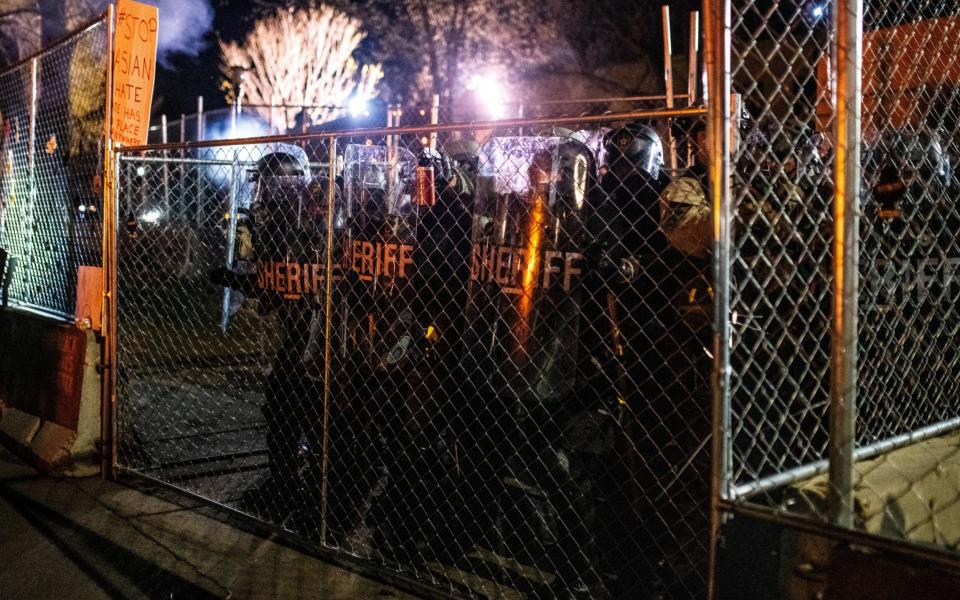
(414,516)
(537,424)
(910,247)
(288,219)
(408,225)
(783,233)
(628,214)
(651,246)
(904,164)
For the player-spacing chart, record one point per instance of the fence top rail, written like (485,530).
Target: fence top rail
(422,129)
(510,103)
(88,25)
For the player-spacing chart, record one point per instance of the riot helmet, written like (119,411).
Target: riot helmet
(796,153)
(431,157)
(378,182)
(464,155)
(634,147)
(906,163)
(281,204)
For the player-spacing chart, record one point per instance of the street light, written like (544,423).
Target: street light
(816,11)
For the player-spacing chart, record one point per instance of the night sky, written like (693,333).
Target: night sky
(177,88)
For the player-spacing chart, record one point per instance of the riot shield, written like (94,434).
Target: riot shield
(381,216)
(526,263)
(527,352)
(376,322)
(406,247)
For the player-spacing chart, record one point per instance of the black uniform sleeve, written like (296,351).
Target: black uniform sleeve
(242,282)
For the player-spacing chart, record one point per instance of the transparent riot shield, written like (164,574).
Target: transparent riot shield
(530,344)
(526,264)
(379,185)
(406,247)
(376,321)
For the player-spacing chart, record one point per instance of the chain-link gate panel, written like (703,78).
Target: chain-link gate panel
(785,66)
(190,375)
(781,271)
(909,240)
(908,251)
(476,358)
(52,134)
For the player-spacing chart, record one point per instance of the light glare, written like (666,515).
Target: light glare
(358,107)
(490,93)
(151,216)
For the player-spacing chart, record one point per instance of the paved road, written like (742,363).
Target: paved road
(91,539)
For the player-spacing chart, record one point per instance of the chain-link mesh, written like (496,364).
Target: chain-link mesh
(909,237)
(784,69)
(782,234)
(501,388)
(51,135)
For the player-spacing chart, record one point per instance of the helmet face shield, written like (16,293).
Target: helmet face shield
(281,201)
(634,149)
(283,206)
(283,210)
(378,185)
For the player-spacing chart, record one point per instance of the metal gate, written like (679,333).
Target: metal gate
(465,354)
(478,356)
(836,336)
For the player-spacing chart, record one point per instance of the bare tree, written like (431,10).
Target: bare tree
(434,47)
(26,25)
(302,57)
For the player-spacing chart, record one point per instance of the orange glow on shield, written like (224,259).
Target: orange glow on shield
(530,269)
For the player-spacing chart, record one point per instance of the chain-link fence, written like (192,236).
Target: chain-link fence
(487,368)
(798,141)
(51,144)
(781,271)
(473,357)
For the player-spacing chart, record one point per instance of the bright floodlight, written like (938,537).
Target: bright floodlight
(357,107)
(490,93)
(817,11)
(151,216)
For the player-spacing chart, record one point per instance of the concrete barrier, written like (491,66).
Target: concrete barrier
(50,392)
